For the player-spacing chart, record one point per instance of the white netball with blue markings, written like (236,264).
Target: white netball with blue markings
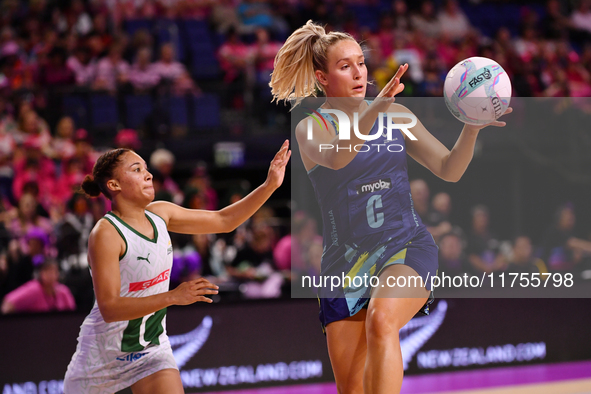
(477,91)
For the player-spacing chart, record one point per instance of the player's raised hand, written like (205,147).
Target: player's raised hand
(192,291)
(496,123)
(393,87)
(277,167)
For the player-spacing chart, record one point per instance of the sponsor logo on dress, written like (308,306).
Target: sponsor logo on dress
(374,186)
(147,258)
(131,357)
(137,286)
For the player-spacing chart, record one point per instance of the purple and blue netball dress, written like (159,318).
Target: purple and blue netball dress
(369,224)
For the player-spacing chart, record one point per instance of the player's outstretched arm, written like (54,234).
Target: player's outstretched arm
(428,151)
(199,221)
(104,248)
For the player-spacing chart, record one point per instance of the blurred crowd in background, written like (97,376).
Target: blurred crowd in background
(51,51)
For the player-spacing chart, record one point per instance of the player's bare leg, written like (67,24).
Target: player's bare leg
(390,308)
(165,381)
(347,347)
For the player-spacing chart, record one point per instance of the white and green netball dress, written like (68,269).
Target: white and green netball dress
(112,356)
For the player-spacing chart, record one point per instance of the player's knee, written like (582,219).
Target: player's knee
(381,324)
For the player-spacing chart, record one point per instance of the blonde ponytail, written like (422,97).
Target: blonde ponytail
(304,52)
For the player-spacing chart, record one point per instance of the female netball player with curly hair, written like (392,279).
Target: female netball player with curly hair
(372,231)
(123,340)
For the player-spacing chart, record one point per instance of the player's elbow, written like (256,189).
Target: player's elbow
(226,224)
(336,162)
(108,312)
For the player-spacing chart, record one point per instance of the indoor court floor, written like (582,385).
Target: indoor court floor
(564,378)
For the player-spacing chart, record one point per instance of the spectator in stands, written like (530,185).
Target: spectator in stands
(453,22)
(194,198)
(200,180)
(142,75)
(291,252)
(17,74)
(558,82)
(236,61)
(62,144)
(212,262)
(55,72)
(224,16)
(34,130)
(264,52)
(73,231)
(160,193)
(527,45)
(142,38)
(112,70)
(255,262)
(71,177)
(402,19)
(83,66)
(257,252)
(78,18)
(7,147)
(581,17)
(173,72)
(26,218)
(42,294)
(562,248)
(426,22)
(72,241)
(434,76)
(483,247)
(101,29)
(187,264)
(34,167)
(586,57)
(437,220)
(382,41)
(253,14)
(128,138)
(26,253)
(405,52)
(556,24)
(83,150)
(523,260)
(420,196)
(452,260)
(162,160)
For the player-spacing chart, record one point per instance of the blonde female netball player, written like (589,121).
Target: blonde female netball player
(370,226)
(123,340)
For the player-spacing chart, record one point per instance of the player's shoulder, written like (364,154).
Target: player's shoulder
(104,230)
(162,209)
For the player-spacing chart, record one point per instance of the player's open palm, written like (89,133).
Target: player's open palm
(194,290)
(496,123)
(277,167)
(393,87)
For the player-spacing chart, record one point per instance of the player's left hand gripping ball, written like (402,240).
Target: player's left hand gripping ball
(496,123)
(277,168)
